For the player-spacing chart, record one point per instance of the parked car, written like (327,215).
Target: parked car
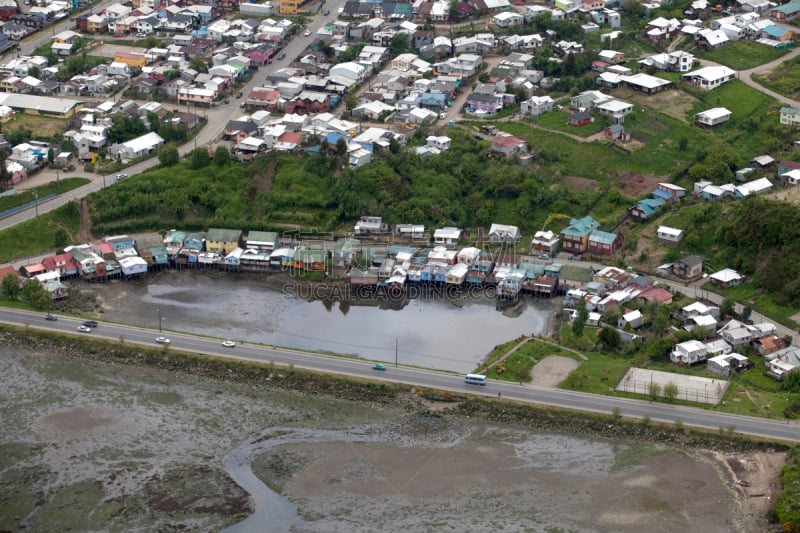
(162,340)
(239,94)
(229,344)
(281,55)
(48,316)
(378,366)
(544,256)
(84,329)
(141,35)
(90,323)
(307,33)
(326,12)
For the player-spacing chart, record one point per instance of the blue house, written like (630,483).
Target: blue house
(434,101)
(195,242)
(646,208)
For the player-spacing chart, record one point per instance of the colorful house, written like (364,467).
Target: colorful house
(575,237)
(223,241)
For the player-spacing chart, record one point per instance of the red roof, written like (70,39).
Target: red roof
(6,270)
(103,247)
(50,263)
(656,294)
(290,137)
(32,270)
(508,140)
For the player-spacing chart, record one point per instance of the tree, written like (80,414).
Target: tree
(5,176)
(60,238)
(670,391)
(790,384)
(51,156)
(609,338)
(199,64)
(34,71)
(199,158)
(351,100)
(654,389)
(168,156)
(10,286)
(35,294)
(580,319)
(398,44)
(341,147)
(727,307)
(221,156)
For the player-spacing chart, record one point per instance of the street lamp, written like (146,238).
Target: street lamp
(160,319)
(36,201)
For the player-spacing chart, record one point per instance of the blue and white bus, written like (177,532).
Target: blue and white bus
(475,379)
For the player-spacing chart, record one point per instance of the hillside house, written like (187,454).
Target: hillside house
(689,267)
(501,233)
(447,235)
(509,145)
(790,116)
(709,78)
(668,192)
(670,235)
(575,237)
(644,209)
(725,278)
(713,117)
(545,241)
(688,353)
(536,105)
(604,243)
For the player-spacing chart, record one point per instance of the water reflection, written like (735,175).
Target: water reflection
(431,330)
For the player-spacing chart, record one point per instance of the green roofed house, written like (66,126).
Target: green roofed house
(646,208)
(223,241)
(575,237)
(604,243)
(786,11)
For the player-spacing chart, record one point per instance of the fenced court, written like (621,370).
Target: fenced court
(690,388)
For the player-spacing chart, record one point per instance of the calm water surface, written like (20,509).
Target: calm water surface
(430,331)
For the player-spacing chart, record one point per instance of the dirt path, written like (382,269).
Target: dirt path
(85,231)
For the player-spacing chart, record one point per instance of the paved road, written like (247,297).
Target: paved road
(689,416)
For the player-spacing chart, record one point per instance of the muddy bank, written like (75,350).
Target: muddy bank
(113,438)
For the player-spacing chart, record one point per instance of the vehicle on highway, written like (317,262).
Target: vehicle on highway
(378,366)
(84,329)
(544,256)
(307,33)
(162,340)
(141,35)
(121,176)
(229,344)
(90,323)
(475,379)
(48,316)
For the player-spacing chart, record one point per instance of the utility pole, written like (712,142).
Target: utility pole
(36,201)
(159,319)
(395,352)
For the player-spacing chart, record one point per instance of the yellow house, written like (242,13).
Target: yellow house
(289,7)
(131,59)
(222,241)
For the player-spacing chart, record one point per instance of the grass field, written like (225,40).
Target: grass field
(785,79)
(43,128)
(37,234)
(64,185)
(742,55)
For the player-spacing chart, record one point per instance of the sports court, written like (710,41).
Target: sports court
(690,388)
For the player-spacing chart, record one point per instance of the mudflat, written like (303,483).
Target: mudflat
(92,446)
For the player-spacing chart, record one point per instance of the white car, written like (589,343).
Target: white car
(229,344)
(84,329)
(307,33)
(121,176)
(162,340)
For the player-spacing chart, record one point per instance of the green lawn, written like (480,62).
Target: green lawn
(784,79)
(38,234)
(748,292)
(517,366)
(23,197)
(557,120)
(741,55)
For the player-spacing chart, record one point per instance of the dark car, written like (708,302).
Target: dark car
(239,94)
(281,55)
(48,316)
(90,323)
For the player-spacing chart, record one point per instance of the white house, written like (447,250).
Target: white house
(713,116)
(448,235)
(545,241)
(727,364)
(142,146)
(508,19)
(726,277)
(634,319)
(688,353)
(752,188)
(616,109)
(709,78)
(536,105)
(668,234)
(504,233)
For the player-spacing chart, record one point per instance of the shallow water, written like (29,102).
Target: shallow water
(432,332)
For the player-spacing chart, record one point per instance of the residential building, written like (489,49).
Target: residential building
(713,117)
(668,234)
(710,78)
(689,267)
(575,237)
(501,233)
(790,116)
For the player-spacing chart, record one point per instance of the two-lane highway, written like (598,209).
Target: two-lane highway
(688,416)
